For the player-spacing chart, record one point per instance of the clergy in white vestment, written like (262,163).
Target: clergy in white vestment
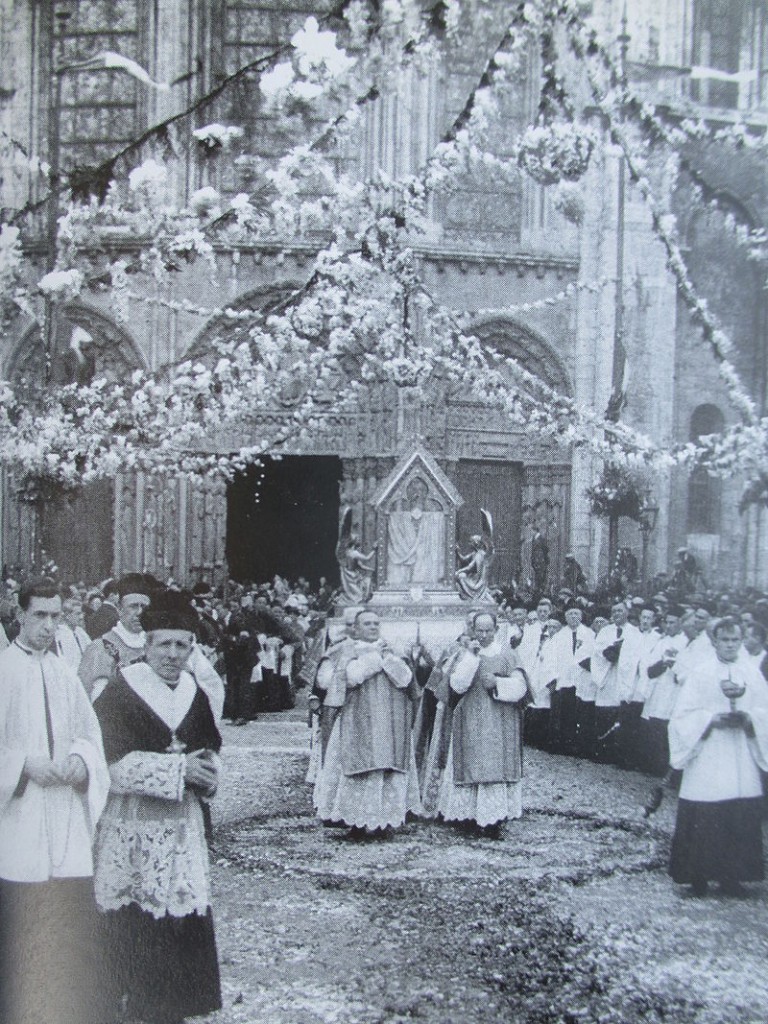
(661,692)
(71,639)
(613,666)
(124,643)
(482,781)
(530,651)
(152,871)
(565,656)
(53,786)
(367,779)
(635,689)
(718,736)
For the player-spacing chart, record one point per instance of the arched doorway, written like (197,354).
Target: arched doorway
(283,517)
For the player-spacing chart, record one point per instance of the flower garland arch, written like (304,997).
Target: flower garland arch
(370,227)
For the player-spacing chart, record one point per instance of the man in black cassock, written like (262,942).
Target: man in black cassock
(151,879)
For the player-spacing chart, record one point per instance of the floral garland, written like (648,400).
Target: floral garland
(371,226)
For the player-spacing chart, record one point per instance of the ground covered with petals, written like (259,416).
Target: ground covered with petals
(569,918)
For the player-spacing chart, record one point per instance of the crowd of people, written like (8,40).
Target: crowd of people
(110,710)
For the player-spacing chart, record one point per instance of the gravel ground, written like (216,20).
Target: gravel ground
(569,918)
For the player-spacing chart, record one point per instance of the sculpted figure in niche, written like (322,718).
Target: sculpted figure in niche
(472,577)
(355,567)
(415,539)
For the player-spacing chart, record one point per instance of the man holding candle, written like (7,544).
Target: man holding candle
(718,736)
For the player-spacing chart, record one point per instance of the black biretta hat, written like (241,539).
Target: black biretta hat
(169,609)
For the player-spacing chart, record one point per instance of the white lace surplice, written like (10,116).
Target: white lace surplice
(376,799)
(151,848)
(485,803)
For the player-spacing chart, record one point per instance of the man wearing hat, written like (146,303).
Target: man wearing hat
(161,744)
(124,642)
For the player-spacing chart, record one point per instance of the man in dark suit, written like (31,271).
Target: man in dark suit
(754,646)
(106,615)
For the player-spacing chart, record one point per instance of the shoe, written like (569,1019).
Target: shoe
(495,831)
(357,835)
(240,721)
(654,801)
(733,888)
(699,887)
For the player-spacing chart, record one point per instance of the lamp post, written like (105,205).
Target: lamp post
(647,520)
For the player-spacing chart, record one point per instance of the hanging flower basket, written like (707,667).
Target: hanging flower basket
(617,493)
(555,152)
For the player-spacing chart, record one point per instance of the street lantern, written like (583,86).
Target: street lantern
(647,519)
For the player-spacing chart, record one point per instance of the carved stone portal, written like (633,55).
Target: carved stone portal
(416,532)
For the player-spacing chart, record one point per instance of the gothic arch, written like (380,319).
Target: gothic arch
(112,353)
(705,491)
(528,347)
(723,201)
(221,328)
(730,282)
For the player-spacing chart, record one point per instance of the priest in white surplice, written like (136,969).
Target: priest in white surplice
(718,736)
(53,786)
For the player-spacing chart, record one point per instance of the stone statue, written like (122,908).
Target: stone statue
(472,577)
(355,567)
(415,539)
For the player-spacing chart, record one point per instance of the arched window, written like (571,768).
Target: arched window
(704,491)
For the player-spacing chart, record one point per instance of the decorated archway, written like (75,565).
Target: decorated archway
(74,530)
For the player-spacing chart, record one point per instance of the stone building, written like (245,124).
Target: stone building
(486,249)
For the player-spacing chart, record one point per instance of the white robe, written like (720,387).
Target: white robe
(46,831)
(614,682)
(71,644)
(561,664)
(663,691)
(726,763)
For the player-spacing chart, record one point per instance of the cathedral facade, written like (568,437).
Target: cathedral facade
(597,313)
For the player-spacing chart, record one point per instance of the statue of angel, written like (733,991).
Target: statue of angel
(355,567)
(472,577)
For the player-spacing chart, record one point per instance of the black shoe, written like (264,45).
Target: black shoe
(357,835)
(733,888)
(654,801)
(495,831)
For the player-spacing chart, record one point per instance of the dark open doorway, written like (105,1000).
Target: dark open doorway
(283,517)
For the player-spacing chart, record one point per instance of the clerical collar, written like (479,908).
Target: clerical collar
(135,640)
(30,650)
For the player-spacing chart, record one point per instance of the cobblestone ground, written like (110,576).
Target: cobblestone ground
(569,918)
